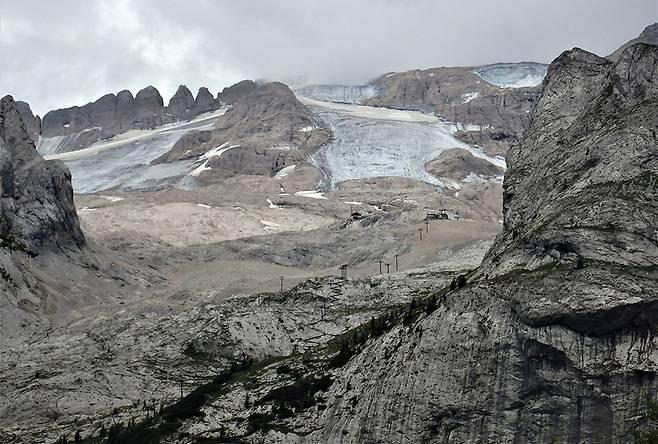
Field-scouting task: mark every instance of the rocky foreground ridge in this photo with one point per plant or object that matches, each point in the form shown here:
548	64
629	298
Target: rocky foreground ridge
552	339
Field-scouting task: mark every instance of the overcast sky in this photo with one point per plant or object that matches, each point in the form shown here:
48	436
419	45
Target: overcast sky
61	53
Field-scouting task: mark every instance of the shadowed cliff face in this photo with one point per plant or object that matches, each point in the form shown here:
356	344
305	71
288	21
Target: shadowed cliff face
584	181
37	198
551	340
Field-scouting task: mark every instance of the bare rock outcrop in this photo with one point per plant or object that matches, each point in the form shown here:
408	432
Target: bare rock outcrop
458	164
268	129
181	105
32	122
205	101
232	94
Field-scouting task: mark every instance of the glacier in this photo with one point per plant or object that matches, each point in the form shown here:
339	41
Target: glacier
354	94
124	162
370	142
513	75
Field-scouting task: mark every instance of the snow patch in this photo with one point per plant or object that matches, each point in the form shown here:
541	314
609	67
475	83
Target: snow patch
283	172
271	204
113	198
215	152
354	203
469	96
306	129
203	205
312	194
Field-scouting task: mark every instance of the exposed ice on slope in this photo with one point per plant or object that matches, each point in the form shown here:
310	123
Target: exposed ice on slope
313	194
356	94
371	112
387	145
513	75
285	171
215	152
125	161
48	146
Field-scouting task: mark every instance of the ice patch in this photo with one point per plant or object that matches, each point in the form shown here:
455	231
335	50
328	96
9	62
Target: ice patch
283	172
312	194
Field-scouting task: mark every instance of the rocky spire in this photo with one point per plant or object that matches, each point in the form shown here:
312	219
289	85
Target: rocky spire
181	105
205	101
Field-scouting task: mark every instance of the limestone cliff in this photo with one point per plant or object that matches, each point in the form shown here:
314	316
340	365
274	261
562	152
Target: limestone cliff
552	339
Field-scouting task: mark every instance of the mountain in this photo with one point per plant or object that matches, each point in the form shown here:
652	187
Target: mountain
46	264
496	112
649	36
265	130
75	128
32	122
550	340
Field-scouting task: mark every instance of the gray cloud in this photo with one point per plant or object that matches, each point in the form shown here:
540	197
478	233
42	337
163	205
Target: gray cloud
60	53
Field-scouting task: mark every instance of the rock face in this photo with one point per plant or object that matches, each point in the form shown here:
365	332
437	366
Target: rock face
181	105
459	165
32	122
37	215
552	339
649	36
234	93
78	127
205	102
37	198
267	130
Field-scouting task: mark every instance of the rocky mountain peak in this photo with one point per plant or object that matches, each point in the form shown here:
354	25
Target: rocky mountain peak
233	93
182	103
583	184
205	101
